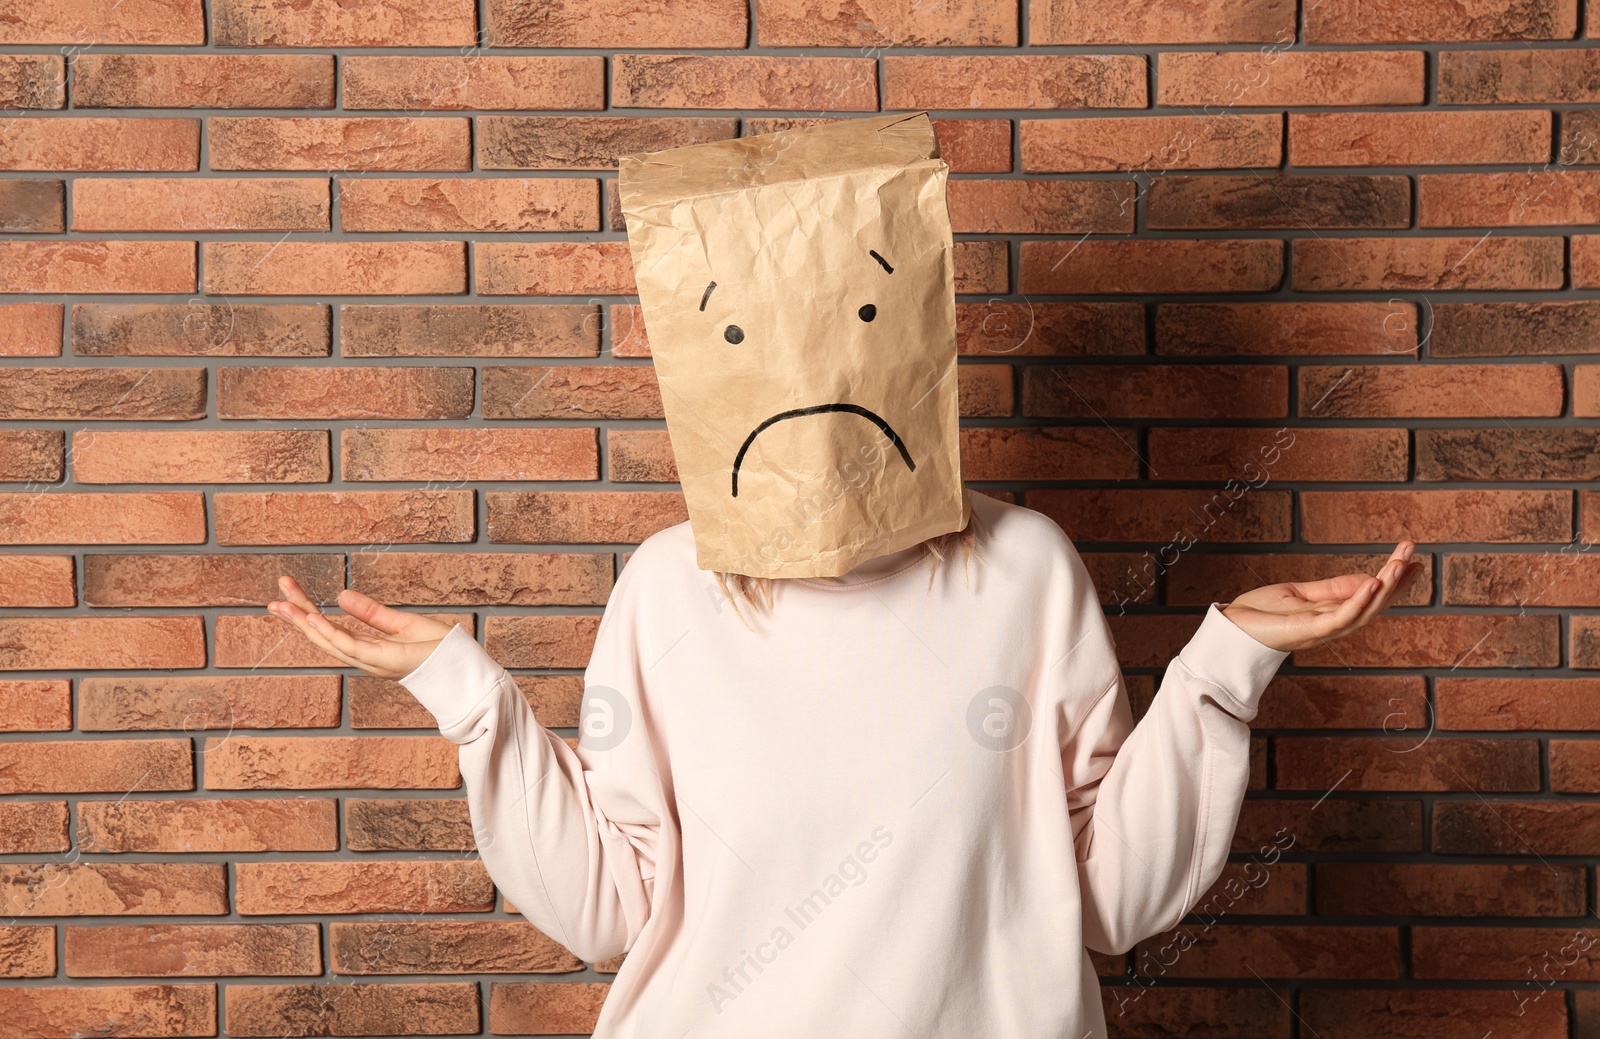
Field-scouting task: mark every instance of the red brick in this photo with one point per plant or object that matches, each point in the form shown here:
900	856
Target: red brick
375	886
1418	138
1253	454
1270	951
236	762
1586	261
1152	265
201	456
202	81
330	23
1230	21
1001	327
744	82
1162	515
1396	704
94	766
571	392
645	456
1521	199
484	579
470	204
1162	391
1283	78
1560	578
1041	206
412	392
1503	453
31	455
63	643
1512	704
41	705
783	23
1443	640
1432	391
1504	516
1046	453
1371	21
1574	767
32	81
552	1008
361	268
30	951
331	144
1409	263
96	518
1145	1010
1475	827
1586	390
85	23
581	517
144	144
198	703
32	206
34	827
113	889
982	267
544	640
407	823
1330	824
1452	1013
36	582
968	145
109	1009
200	329
515	142
262	640
103	393
1256	329
1359	763
1433	889
1298	201
446	947
344	517
1519	75
230	579
85	266
1507	953
617	23
475	454
550	268
478	81
30	329
475	330
1053	81
188	204
430	1008
163	950
1162	142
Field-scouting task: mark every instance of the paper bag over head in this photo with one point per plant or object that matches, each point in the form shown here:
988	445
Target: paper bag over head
798	293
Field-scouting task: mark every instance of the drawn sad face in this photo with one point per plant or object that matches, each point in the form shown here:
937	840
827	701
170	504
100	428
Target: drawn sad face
735	335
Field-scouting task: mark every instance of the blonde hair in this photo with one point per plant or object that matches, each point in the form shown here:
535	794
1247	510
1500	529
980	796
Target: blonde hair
757	591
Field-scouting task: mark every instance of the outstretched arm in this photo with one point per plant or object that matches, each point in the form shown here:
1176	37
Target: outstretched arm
570	836
1154	806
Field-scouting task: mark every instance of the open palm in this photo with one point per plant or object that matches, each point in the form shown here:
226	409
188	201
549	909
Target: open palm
405	641
1300	614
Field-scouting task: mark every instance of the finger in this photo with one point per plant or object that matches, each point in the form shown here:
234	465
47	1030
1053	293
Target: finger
295	594
302	621
368	610
1329	589
1343	620
1392	576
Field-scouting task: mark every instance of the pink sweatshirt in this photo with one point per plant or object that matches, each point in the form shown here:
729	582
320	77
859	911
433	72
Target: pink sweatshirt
887	811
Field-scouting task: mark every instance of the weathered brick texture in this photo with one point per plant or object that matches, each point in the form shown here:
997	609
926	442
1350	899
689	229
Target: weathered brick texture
1247	291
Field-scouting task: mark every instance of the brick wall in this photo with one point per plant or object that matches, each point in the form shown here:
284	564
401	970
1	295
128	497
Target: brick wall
1247	293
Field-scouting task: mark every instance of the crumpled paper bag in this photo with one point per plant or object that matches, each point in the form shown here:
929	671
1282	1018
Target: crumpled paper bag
798	293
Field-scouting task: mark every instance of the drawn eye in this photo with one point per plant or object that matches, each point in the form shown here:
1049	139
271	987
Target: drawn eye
733	334
868	312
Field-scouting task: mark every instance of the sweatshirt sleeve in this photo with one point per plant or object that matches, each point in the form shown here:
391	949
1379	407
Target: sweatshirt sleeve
570	836
1154	806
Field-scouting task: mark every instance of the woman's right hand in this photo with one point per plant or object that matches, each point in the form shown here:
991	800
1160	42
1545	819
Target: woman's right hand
406	640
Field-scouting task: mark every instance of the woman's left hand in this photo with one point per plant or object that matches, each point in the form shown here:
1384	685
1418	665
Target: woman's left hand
1298	615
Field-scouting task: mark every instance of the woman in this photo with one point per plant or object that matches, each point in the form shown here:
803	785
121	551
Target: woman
904	801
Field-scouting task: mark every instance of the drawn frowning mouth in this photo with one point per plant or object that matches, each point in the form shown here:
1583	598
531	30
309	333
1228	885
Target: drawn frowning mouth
854	409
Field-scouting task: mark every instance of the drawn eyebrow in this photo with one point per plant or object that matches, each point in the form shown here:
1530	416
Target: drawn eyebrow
881	260
707	295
